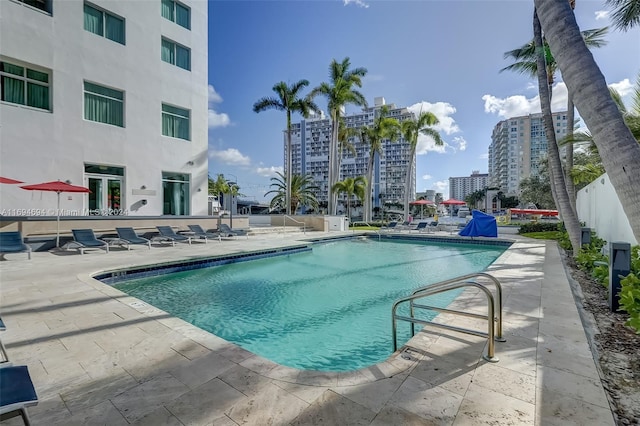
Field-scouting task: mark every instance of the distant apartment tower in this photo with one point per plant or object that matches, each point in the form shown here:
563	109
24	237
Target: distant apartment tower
518	145
111	95
460	187
310	155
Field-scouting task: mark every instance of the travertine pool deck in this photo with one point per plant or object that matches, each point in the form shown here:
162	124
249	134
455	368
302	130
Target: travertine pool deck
98	356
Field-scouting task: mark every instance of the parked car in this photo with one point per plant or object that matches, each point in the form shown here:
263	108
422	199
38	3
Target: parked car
463	212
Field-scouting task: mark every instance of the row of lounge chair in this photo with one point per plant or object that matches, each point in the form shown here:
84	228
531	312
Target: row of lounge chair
407	226
16	387
12	242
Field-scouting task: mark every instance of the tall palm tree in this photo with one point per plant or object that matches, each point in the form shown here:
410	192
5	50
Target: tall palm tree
339	93
626	13
303	192
618	149
288	100
411	129
351	186
525	58
383	128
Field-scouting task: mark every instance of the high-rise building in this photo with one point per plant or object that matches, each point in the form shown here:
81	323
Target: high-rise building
310	155
518	145
111	95
460	187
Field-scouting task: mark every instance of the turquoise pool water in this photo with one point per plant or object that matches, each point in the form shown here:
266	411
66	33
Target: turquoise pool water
329	309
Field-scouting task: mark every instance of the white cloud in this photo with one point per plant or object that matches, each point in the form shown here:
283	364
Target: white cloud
230	156
269	171
623	87
441	186
601	14
427	177
447	125
460	142
216	119
356	2
214	97
517	105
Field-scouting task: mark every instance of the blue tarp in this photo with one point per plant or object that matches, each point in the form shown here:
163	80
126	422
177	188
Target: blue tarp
481	225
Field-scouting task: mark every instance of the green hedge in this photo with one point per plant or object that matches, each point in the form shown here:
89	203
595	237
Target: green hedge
537	227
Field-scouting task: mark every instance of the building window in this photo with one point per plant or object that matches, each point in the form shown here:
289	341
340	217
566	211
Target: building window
175	122
175	189
106	184
104	24
44	5
103	105
176	12
175	54
24	86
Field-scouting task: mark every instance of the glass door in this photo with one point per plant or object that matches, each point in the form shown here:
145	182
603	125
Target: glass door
105	198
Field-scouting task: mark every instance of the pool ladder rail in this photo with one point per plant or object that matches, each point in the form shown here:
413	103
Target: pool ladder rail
493	317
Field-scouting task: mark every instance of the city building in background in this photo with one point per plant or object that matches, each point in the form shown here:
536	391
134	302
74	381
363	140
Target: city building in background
460	187
518	145
310	155
109	95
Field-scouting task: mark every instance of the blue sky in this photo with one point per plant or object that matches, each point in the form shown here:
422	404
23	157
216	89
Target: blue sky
443	56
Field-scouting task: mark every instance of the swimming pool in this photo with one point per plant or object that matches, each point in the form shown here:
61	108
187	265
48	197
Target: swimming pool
328	309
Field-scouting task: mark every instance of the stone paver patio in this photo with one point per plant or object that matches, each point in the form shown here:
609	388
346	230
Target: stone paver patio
98	356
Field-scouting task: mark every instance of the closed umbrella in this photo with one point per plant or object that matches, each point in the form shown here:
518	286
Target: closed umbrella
57	187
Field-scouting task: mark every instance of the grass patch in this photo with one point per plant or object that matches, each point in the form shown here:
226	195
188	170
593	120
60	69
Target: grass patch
546	235
364	228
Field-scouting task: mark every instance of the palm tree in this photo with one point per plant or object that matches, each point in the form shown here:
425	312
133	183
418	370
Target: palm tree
626	13
289	102
351	186
525	59
558	185
339	93
303	192
411	129
618	149
383	127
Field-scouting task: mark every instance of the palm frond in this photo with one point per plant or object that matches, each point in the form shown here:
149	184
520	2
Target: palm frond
625	13
266	103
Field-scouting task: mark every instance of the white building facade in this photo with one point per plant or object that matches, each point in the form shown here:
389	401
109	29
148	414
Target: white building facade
518	145
460	187
310	155
107	94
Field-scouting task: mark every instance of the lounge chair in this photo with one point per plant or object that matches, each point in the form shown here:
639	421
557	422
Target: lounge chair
226	231
16	392
433	226
199	232
422	227
85	239
391	226
168	234
129	235
11	242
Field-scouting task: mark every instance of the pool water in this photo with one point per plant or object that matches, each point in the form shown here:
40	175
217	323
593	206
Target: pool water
328	309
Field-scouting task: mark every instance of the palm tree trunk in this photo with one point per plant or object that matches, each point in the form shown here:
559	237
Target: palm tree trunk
367	199
287	200
407	181
331	204
619	150
569	216
571	188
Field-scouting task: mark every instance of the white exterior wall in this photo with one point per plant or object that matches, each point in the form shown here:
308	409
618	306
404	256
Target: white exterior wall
40	146
599	208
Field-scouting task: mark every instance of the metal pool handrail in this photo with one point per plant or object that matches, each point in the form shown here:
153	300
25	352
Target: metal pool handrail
284	224
452	284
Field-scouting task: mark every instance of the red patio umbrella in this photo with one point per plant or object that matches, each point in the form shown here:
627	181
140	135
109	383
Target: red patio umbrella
9	181
452	202
422	203
57	187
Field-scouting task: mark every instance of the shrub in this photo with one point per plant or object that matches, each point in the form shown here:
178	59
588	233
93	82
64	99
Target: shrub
630	291
537	227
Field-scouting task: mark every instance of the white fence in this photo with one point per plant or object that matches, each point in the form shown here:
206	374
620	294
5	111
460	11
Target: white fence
600	209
